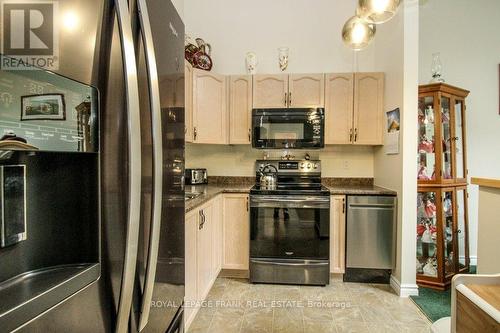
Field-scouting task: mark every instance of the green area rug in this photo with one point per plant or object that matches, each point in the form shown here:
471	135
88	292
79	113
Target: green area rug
435	304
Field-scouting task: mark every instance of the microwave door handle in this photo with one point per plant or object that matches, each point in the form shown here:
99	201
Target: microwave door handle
155	108
134	159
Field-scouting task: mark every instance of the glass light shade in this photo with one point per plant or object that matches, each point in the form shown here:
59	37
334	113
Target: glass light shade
377	11
358	33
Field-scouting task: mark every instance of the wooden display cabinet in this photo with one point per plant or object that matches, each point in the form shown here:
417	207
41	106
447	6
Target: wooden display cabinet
442	220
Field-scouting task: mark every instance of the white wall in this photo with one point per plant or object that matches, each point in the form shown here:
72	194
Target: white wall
179	5
396	54
338	161
311	29
467	34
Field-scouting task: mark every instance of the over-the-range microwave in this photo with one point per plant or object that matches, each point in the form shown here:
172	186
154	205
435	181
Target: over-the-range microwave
288	128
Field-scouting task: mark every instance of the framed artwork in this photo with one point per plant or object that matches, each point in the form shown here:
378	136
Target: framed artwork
43	107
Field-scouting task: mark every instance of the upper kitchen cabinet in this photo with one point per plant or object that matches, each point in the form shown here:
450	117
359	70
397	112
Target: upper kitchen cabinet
270	91
288	91
368	108
188	107
240	109
306	90
339	108
354	108
441	135
209	108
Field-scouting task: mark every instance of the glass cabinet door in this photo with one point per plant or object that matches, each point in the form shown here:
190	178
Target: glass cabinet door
460	172
446	138
448	234
427	264
426	142
462	232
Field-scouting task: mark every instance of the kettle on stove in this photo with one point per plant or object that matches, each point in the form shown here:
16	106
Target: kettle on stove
268	177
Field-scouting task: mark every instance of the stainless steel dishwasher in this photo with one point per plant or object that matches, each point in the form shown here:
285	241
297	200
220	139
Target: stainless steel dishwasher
370	238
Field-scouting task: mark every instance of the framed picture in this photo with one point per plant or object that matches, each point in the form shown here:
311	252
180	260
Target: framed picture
43	107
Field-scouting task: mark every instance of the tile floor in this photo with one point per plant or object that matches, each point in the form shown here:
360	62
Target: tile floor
236	306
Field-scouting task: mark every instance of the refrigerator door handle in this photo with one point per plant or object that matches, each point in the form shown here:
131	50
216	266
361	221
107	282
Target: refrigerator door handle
134	155
154	96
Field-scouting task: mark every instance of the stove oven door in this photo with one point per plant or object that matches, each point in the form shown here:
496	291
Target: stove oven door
289	239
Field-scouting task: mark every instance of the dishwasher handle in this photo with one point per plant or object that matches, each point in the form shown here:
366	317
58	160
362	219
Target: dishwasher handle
372	206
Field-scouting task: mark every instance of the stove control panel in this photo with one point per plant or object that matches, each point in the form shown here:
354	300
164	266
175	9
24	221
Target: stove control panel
297	166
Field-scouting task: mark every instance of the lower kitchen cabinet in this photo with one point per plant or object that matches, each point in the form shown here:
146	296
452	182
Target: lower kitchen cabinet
203	250
236	232
337	233
191	275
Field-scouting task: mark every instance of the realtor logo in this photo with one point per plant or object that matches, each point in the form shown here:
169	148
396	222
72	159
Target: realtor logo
29	35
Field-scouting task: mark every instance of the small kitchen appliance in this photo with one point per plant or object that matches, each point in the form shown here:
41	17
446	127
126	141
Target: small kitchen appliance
196	176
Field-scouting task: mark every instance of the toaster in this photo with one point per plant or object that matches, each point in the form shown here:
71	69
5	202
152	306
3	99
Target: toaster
196	176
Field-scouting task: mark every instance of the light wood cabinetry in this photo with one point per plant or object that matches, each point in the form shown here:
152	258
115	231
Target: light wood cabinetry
188	108
270	91
339	104
306	90
354	108
293	91
368	108
240	109
191	270
205	250
337	233
203	253
236	232
209	108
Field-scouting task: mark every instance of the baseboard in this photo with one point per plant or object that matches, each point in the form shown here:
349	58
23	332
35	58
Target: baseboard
403	290
234	273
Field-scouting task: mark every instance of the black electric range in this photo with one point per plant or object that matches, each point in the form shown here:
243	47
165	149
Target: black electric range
290	226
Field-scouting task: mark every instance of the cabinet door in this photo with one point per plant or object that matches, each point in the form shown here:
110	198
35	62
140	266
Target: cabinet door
337	234
368	108
270	91
191	280
240	109
188	108
339	108
217	240
236	249
306	91
204	251
209	108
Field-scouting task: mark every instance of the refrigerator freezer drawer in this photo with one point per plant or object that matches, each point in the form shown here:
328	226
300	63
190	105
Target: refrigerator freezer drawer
371	230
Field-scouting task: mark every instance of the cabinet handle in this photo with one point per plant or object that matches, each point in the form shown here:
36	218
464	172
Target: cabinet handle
248	205
343	206
200	223
195	134
285	100
355	135
249	135
289	99
350	135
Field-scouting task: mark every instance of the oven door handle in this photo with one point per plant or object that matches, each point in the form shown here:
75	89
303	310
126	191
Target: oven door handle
281	263
289	202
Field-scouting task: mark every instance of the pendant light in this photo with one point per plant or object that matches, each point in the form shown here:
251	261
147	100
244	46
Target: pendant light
358	33
377	11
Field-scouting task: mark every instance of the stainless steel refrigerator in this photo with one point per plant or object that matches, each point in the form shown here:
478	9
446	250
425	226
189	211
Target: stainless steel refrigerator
92	175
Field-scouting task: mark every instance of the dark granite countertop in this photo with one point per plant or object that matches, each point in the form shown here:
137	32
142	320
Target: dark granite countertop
337	186
359	190
211	191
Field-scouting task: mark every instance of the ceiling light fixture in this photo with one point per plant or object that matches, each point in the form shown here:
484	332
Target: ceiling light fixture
358	33
377	11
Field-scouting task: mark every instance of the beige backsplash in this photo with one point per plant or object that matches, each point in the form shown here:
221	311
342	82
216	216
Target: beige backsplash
239	160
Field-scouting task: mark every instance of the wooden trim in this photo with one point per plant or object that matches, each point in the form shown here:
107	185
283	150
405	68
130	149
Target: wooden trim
443	87
486	182
235	273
